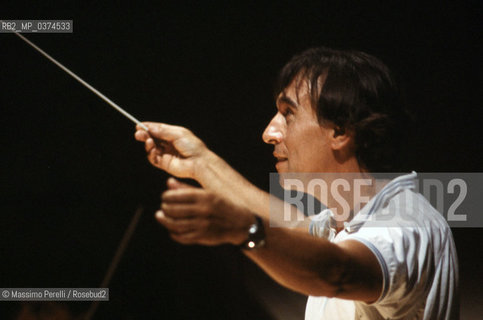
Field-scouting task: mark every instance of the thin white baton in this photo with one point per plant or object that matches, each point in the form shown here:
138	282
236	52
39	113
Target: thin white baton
88	86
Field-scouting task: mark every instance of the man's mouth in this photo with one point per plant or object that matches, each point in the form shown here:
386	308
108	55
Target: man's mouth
281	160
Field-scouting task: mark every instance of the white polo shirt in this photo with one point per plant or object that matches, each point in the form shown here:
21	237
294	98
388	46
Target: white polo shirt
415	250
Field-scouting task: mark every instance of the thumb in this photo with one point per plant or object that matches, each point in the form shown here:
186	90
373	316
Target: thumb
173	183
164	131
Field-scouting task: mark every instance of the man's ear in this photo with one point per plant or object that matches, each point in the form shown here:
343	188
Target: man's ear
340	138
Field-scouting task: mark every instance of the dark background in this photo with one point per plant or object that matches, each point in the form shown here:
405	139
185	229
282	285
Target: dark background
72	174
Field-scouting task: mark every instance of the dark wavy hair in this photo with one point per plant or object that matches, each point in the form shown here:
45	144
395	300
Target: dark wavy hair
355	91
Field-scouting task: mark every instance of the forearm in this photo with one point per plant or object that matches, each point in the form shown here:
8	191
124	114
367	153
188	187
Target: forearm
214	174
302	263
317	267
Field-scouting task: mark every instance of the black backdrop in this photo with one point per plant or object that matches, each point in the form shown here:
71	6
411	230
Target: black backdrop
72	174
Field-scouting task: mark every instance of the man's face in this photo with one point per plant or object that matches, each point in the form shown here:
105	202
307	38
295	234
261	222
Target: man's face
301	143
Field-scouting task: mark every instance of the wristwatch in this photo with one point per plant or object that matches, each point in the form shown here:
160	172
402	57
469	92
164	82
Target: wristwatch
256	235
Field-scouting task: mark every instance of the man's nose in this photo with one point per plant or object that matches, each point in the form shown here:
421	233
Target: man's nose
273	133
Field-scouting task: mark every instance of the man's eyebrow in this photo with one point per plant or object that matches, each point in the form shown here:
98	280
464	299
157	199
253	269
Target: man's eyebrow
287	100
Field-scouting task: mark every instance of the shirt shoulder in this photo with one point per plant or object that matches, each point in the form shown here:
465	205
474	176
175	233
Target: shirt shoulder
410	240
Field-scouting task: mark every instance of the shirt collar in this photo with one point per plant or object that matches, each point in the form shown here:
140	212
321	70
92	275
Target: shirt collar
390	190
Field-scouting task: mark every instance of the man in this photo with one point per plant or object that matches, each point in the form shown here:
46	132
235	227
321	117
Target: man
337	112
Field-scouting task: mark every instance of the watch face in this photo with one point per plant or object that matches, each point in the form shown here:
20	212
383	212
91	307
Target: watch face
253	229
256	235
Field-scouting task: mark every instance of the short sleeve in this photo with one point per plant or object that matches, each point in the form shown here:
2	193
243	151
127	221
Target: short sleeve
403	254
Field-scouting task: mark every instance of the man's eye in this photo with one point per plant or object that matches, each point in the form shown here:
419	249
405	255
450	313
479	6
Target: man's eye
286	112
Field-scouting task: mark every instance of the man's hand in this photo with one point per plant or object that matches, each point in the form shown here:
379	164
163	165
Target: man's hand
196	216
173	149
179	152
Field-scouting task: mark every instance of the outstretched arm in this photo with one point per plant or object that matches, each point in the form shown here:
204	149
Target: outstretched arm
222	211
309	265
179	152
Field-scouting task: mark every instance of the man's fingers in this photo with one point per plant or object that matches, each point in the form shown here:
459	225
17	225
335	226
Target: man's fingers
177	148
139	127
182	210
177	226
153	157
149	144
173	184
183	195
186	238
185	231
141	135
165	131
